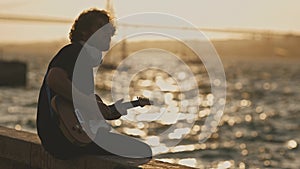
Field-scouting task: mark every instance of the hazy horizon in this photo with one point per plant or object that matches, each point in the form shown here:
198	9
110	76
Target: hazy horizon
263	15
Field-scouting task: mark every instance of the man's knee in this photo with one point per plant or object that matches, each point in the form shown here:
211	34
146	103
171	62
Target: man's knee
148	151
143	150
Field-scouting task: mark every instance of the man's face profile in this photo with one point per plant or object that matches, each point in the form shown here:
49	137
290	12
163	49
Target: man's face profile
101	36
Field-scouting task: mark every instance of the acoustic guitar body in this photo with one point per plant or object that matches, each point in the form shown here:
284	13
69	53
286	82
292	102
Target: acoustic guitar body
68	122
73	125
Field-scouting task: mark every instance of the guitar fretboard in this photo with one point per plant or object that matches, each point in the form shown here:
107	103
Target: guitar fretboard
131	104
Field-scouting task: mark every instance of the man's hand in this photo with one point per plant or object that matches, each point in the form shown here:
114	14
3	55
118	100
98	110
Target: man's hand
120	108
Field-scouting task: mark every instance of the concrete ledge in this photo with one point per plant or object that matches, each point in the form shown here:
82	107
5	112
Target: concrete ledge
23	150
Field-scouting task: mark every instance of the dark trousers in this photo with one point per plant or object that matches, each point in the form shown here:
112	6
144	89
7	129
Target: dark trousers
105	143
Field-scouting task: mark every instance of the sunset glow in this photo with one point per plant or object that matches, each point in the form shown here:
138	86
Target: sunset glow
267	15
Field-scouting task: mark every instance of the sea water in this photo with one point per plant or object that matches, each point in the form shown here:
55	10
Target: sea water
259	127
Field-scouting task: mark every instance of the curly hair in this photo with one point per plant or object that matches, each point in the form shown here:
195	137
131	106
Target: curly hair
85	21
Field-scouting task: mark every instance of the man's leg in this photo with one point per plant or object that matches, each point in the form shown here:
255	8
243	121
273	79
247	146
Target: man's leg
120	148
121	145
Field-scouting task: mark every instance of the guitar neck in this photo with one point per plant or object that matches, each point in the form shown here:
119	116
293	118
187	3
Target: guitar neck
131	104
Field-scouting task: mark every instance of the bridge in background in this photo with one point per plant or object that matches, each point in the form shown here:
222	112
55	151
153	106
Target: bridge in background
247	32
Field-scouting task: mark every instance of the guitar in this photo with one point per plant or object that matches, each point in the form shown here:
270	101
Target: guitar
76	128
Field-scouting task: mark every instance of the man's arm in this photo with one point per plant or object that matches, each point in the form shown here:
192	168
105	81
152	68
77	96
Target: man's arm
57	80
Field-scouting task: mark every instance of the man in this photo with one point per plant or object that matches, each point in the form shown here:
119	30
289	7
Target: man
80	57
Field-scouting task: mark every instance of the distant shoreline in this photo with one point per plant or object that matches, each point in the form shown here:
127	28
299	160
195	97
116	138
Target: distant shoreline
279	48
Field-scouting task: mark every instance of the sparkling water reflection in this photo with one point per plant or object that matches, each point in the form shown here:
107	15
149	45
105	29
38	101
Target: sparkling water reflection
259	128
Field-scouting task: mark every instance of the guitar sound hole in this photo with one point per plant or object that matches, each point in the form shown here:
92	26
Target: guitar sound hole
73	128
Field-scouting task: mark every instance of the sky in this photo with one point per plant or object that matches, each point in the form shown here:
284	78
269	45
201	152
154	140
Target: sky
280	15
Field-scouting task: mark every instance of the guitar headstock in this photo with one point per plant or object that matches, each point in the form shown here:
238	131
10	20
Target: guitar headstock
144	101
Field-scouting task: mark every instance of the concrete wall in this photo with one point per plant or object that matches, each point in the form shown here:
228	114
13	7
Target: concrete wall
23	150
